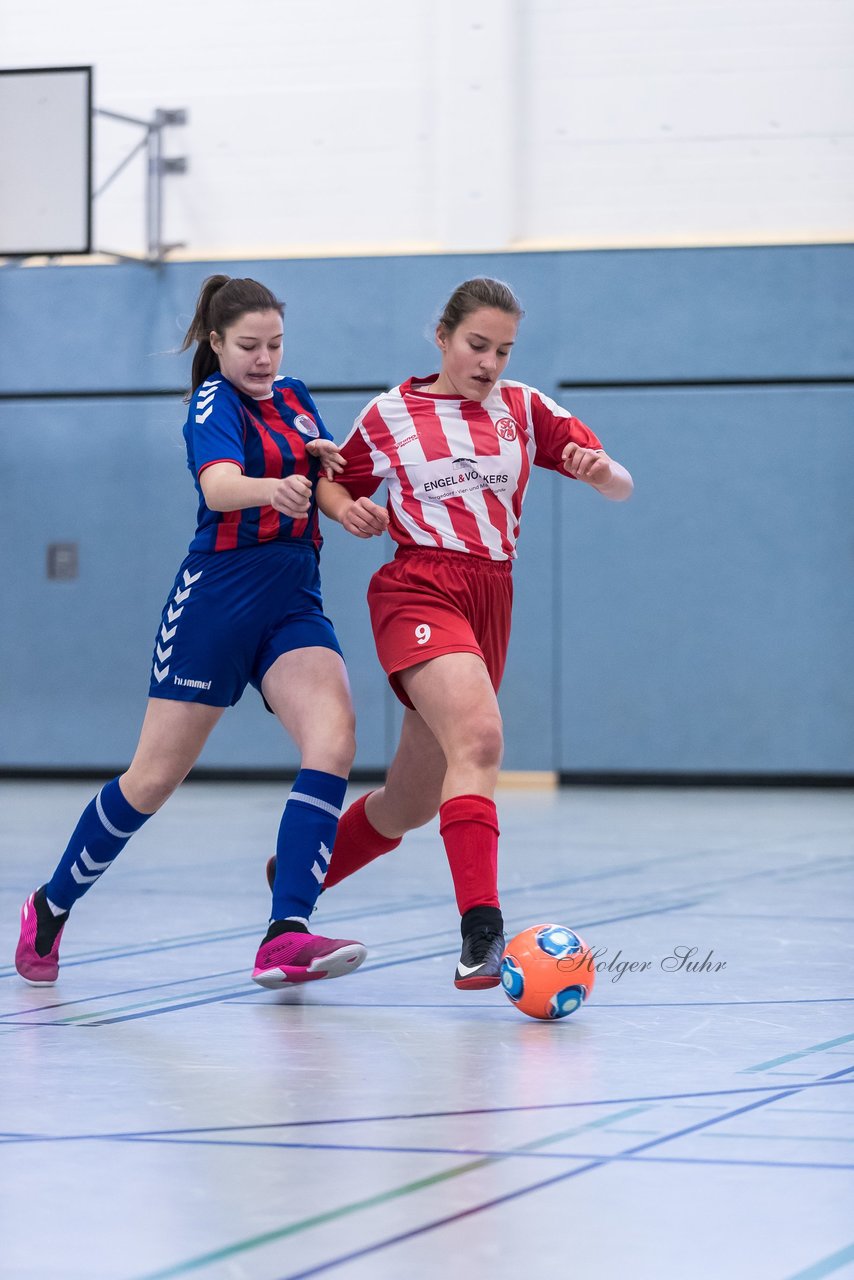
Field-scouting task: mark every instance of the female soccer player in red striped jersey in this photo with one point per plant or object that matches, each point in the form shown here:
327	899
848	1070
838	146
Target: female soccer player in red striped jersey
456	451
245	608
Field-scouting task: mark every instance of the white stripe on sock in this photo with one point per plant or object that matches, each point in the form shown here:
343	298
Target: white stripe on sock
114	831
80	878
90	864
318	804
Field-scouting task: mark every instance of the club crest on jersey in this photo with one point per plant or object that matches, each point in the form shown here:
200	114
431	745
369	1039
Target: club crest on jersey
306	426
506	428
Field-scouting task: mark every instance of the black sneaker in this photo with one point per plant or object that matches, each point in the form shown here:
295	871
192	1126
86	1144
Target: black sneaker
479	964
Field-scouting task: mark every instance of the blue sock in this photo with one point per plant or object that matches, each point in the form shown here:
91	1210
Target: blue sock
304	847
105	826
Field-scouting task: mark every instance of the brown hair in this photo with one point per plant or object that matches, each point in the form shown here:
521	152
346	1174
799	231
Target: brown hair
222	301
471	295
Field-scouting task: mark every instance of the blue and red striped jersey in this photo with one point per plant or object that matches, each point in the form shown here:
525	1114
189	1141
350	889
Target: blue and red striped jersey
265	438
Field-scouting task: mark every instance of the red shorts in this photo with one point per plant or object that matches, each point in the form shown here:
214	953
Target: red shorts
427	602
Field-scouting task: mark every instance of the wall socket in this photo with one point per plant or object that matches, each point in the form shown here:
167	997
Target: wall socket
63	563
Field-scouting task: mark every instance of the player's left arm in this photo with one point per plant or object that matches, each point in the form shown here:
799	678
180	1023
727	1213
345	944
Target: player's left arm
595	468
564	443
359	516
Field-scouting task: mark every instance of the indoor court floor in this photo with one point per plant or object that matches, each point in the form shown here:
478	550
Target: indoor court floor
162	1116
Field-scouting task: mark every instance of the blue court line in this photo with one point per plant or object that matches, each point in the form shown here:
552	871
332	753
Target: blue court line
712	889
598	1163
477	1152
836	1075
796	869
502	1154
781	1137
68	1024
772	917
113	995
794	1057
826	1265
821	1111
15	1019
597	1008
793	1075
197	940
828	1082
729	1004
170	1008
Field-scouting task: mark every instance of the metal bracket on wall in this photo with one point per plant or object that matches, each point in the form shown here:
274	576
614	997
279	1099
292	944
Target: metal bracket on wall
158	165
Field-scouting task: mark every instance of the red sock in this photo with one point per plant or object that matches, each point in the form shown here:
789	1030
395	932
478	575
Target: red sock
469	827
356	844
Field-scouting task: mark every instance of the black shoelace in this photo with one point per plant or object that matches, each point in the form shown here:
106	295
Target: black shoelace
479	943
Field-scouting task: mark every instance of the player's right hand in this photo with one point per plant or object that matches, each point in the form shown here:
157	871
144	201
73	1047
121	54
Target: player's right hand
292	496
365	519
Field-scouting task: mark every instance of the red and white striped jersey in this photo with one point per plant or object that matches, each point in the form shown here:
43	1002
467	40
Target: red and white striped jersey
457	470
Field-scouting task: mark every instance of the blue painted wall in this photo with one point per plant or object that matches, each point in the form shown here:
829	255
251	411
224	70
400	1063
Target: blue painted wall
706	626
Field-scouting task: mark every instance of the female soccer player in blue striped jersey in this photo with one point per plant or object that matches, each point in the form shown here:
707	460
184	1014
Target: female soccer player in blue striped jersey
245	608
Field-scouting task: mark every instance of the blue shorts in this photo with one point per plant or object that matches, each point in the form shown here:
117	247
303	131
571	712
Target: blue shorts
230	615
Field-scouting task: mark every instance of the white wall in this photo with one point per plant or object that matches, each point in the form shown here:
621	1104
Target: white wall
360	126
691	121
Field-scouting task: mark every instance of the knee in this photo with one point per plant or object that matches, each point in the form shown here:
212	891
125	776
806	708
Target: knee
343	753
401	805
147	791
421	808
333	748
482	742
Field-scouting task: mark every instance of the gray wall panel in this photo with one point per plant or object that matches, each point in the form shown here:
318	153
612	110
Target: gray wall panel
717	607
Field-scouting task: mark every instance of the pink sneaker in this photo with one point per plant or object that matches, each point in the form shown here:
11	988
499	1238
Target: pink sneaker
38	970
305	957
